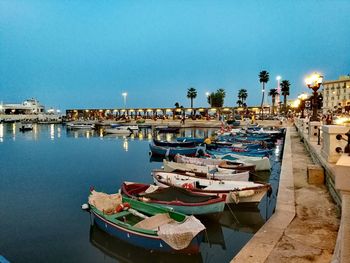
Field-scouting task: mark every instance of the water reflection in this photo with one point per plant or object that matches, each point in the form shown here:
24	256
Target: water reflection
125	252
1	132
125	145
52	131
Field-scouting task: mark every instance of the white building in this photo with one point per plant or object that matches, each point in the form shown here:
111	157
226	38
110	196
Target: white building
30	106
336	94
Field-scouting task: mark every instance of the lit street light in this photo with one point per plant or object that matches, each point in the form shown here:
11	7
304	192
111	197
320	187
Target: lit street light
278	98
314	82
208	96
124	94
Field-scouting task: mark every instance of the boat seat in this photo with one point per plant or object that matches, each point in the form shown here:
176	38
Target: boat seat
121	214
153	222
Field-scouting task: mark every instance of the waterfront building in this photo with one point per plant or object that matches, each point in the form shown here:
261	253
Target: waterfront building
336	94
152	113
30	106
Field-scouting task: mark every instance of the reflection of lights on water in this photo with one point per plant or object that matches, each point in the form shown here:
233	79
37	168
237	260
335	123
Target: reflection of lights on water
101	133
1	132
132	136
14	128
168	136
277	149
149	137
158	137
52	131
126	145
88	134
76	134
140	136
58	132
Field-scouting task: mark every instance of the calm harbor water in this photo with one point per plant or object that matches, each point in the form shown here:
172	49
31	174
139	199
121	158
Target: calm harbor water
45	176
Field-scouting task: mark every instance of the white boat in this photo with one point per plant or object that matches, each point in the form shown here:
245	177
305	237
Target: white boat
80	125
210	171
236	165
120	126
234	191
261	163
26	127
122	130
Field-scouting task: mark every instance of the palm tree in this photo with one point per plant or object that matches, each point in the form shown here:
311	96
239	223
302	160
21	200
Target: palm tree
273	93
239	102
242	95
285	92
264	78
191	94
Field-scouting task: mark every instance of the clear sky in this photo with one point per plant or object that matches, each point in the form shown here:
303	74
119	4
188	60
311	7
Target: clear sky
84	54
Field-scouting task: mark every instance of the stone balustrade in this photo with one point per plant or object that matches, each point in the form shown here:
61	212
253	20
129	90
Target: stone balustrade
330	142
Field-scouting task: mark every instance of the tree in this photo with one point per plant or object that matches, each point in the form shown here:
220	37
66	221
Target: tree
239	102
285	92
191	94
177	105
216	99
273	93
242	95
263	78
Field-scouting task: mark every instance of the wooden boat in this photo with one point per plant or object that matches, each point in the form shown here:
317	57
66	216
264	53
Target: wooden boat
234	191
190	139
236	165
167	129
261	163
179	199
146	225
122	130
124	252
172	151
80	125
26	127
210	172
173	144
233	123
240	151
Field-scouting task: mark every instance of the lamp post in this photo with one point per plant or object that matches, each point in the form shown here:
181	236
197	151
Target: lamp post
302	98
124	94
208	96
278	78
314	82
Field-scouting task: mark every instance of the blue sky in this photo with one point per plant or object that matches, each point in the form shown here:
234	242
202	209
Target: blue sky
84	54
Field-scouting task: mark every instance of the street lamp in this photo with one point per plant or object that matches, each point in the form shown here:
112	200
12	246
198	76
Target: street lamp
302	98
208	96
278	78
314	82
124	94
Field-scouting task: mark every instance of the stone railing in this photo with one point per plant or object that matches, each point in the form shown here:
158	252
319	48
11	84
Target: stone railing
327	148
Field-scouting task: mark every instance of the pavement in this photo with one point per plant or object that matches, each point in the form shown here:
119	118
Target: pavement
305	224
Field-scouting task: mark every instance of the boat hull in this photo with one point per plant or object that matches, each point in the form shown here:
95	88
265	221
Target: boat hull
145	241
171	151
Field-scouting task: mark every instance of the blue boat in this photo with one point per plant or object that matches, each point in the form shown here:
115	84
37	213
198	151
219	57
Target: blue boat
190	139
172	151
141	225
253	153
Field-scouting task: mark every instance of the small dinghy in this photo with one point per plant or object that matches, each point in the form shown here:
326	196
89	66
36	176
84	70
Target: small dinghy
145	225
179	199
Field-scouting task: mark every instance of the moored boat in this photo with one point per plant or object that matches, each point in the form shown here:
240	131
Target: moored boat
236	165
172	151
80	125
173	144
121	130
210	171
179	199
234	191
26	127
261	163
145	225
